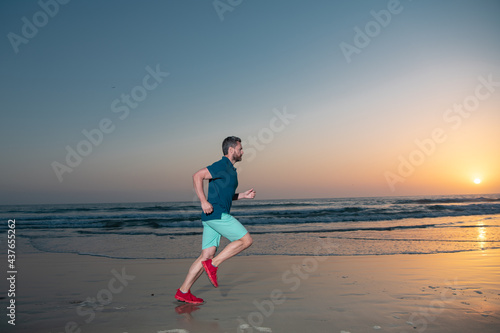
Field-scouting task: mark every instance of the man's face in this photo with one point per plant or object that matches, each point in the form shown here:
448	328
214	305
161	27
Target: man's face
237	152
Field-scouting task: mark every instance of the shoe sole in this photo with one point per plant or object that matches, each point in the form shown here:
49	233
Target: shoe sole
188	302
214	282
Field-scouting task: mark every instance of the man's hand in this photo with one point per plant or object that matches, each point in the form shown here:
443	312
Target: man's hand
250	194
207	207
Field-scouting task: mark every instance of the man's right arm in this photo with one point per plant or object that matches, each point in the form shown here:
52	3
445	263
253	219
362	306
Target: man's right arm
198	179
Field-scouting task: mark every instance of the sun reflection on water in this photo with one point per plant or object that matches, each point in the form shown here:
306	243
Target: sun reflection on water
481	235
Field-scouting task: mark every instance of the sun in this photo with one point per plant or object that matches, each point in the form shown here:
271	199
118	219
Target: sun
477	181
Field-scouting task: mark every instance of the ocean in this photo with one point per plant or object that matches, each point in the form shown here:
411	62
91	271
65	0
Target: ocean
338	226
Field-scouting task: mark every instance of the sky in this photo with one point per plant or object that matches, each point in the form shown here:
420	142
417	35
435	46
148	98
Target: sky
122	101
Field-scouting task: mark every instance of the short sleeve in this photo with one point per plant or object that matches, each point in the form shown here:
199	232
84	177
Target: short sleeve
215	169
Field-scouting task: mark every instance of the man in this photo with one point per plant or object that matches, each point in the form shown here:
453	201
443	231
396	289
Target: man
223	181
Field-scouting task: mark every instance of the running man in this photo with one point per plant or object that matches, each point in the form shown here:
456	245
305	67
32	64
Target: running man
223	181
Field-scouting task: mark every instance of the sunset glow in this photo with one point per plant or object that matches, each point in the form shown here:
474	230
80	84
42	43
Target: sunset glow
325	107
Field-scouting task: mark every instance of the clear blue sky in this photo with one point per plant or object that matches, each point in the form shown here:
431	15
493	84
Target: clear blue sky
70	67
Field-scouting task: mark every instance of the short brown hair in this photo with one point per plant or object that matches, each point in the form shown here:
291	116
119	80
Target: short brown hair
230	141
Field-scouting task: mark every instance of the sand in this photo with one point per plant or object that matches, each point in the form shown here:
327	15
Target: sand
452	292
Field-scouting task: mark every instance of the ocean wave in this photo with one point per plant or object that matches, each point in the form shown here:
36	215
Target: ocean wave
273	212
356	214
96	208
280	205
298	229
257	217
110	223
429	201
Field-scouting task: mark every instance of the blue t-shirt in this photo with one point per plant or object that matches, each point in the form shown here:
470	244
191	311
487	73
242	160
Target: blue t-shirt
221	188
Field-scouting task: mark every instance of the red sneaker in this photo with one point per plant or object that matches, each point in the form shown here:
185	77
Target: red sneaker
187	297
211	271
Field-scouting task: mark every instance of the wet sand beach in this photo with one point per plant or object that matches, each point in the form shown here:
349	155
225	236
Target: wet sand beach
445	292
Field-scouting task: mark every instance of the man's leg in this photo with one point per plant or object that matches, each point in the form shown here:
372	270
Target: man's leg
233	230
232	249
211	266
196	268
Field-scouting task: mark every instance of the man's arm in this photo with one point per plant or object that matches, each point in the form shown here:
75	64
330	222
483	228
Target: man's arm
250	194
198	179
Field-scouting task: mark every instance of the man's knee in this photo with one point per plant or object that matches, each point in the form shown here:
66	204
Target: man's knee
207	253
204	257
247	240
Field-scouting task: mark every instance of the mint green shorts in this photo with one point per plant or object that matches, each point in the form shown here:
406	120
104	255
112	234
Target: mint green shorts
227	226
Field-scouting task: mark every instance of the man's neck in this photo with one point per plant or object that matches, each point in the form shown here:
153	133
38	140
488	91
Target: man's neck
230	159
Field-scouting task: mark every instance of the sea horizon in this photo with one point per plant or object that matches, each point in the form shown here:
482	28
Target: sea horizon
257	199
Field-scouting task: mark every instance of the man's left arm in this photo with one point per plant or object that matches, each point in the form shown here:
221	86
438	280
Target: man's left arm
250	194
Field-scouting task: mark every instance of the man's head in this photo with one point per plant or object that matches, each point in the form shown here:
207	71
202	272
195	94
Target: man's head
231	148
